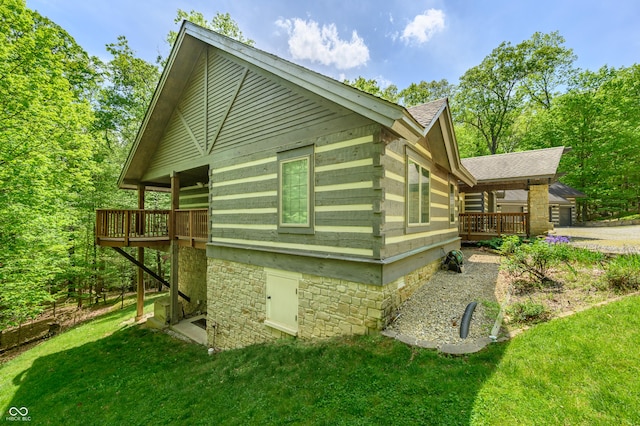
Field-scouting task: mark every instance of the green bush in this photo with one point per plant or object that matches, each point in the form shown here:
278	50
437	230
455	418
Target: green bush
493	243
534	259
571	254
623	272
528	312
509	244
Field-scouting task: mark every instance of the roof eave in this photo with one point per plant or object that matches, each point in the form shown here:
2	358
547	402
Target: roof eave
122	180
365	104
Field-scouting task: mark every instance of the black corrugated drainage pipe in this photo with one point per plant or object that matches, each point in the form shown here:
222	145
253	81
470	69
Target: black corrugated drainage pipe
466	319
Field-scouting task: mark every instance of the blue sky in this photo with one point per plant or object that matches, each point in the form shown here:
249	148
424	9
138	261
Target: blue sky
393	41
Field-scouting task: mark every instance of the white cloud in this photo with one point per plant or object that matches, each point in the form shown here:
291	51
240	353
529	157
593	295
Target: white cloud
424	26
307	41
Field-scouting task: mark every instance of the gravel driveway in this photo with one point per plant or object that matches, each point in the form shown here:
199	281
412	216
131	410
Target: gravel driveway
612	239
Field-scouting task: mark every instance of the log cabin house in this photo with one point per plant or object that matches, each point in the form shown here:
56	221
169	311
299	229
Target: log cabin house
300	206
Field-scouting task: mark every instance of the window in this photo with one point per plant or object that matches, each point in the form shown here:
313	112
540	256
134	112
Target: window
295	192
417	193
452	203
295	195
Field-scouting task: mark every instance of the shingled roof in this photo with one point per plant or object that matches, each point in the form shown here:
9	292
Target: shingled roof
558	194
425	113
565	191
535	164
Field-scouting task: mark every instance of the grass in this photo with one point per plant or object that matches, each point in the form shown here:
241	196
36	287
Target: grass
579	370
584	369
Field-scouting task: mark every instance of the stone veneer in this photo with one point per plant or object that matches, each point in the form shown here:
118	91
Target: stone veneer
538	206
327	307
192	279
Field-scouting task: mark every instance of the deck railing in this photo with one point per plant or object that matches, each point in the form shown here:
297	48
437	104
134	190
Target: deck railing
149	227
477	226
192	224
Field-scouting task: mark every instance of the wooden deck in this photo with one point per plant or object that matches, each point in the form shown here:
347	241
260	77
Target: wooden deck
151	228
484	226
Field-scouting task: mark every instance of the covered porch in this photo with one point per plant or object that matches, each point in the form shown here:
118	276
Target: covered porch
532	171
182	231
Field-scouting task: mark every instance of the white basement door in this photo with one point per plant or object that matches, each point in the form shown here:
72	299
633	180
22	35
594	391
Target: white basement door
282	300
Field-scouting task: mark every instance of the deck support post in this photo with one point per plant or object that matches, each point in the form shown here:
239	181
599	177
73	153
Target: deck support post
140	225
175	203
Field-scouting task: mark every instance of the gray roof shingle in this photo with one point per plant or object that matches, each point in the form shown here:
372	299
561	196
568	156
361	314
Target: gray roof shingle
425	113
539	163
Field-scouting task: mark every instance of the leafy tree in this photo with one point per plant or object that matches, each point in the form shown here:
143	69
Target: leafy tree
597	117
46	81
221	23
491	96
123	100
550	67
424	92
371	86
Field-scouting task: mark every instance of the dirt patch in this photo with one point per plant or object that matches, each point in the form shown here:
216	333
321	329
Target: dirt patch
565	293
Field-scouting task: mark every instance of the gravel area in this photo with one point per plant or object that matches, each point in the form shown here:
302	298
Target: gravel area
613	239
433	313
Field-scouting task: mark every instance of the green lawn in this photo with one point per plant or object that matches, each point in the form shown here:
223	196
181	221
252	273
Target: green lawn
584	369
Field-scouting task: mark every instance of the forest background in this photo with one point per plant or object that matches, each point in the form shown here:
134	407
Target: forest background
68	120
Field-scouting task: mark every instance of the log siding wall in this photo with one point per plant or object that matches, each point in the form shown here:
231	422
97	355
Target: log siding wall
235	119
399	237
244	197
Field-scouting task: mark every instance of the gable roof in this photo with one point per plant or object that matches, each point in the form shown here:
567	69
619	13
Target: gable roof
539	163
190	43
426	113
535	166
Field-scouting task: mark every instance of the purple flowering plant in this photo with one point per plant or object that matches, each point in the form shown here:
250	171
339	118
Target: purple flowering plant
556	239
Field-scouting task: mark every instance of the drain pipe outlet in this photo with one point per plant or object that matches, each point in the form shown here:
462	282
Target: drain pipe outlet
466	319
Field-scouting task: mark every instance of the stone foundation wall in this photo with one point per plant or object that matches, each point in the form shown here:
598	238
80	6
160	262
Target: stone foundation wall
326	307
237	305
192	279
330	307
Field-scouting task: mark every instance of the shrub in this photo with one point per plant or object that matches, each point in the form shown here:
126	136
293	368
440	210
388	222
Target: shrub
528	312
534	259
493	243
509	244
623	272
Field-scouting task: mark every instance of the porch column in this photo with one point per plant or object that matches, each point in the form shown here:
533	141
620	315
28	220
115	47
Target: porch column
173	293
140	225
538	205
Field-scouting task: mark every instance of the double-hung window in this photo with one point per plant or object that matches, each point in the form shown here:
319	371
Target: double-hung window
418	193
295	192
